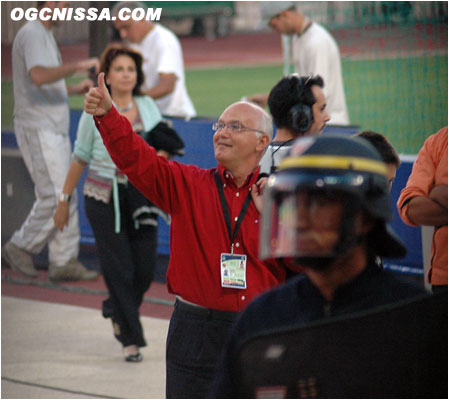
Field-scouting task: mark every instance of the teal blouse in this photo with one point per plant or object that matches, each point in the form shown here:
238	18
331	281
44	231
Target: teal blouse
89	146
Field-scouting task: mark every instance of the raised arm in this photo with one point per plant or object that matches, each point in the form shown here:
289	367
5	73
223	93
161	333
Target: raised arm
152	175
98	101
41	75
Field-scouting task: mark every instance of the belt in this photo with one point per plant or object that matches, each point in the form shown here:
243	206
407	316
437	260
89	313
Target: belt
206	313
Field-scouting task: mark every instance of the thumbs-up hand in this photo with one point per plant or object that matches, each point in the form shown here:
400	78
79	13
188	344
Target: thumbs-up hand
97	101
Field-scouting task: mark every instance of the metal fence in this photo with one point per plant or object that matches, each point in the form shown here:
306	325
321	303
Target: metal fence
247	15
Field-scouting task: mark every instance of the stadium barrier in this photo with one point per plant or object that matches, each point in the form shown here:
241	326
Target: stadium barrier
18	195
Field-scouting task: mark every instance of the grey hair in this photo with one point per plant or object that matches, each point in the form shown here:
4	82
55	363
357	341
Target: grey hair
132	5
266	123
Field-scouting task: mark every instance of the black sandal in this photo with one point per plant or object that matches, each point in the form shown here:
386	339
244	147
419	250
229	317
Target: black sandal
134	357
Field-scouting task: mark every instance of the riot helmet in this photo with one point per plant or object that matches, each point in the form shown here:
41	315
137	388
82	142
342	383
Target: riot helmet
313	203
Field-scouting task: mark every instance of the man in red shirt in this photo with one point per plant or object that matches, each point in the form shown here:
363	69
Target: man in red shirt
214	268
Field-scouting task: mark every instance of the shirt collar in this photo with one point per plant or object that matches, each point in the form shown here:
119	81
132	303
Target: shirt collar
226	176
348	289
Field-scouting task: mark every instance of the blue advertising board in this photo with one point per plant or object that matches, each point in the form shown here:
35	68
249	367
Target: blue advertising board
197	135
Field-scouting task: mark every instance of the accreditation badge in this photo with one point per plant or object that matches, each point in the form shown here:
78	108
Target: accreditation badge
233	270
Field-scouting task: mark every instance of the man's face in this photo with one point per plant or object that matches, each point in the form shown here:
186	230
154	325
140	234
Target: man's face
282	23
129	30
318	222
232	148
320	114
307	224
59	5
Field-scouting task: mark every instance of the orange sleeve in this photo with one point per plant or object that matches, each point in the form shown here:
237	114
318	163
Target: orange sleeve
423	176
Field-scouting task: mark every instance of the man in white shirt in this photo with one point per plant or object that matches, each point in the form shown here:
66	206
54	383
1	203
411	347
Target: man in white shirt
41	126
314	51
163	63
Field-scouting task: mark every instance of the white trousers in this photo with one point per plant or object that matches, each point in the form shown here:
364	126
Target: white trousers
47	156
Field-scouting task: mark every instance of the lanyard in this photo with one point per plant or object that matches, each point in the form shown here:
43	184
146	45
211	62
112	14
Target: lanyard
225	208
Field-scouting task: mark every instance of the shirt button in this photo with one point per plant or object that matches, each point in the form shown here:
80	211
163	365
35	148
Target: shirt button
224	184
256	221
243	297
236	218
237	244
226	176
237	194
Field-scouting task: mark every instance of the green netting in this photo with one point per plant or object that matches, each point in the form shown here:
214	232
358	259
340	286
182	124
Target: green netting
404	98
394	62
394	57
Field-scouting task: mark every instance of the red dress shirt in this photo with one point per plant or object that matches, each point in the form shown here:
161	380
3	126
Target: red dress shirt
198	233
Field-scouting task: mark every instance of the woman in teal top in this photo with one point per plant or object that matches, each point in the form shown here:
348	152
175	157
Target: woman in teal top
127	249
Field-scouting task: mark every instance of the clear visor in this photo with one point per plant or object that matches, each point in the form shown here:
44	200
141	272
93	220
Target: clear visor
303	223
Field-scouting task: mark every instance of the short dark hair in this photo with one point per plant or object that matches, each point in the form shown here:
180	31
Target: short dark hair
40	4
286	94
132	5
382	145
116	49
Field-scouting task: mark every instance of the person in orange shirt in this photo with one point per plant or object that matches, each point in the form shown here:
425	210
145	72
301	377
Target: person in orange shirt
424	202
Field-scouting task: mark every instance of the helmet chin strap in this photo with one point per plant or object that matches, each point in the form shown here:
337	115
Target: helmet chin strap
321	263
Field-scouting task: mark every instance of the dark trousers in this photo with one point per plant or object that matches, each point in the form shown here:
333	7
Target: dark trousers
195	340
127	260
439	289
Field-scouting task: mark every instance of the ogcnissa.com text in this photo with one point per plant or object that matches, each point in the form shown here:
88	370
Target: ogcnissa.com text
89	14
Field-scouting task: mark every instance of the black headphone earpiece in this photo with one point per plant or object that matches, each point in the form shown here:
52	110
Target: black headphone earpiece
301	114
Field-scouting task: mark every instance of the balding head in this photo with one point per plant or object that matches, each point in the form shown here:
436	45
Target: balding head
264	121
245	130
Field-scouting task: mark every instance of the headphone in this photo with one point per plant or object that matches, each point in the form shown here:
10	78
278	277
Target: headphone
301	114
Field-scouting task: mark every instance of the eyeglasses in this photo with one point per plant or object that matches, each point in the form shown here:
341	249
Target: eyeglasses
234	127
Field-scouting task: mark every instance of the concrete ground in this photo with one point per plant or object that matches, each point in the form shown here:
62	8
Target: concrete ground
52	350
56	344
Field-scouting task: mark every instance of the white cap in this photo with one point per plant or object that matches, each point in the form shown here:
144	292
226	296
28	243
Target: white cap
269	9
